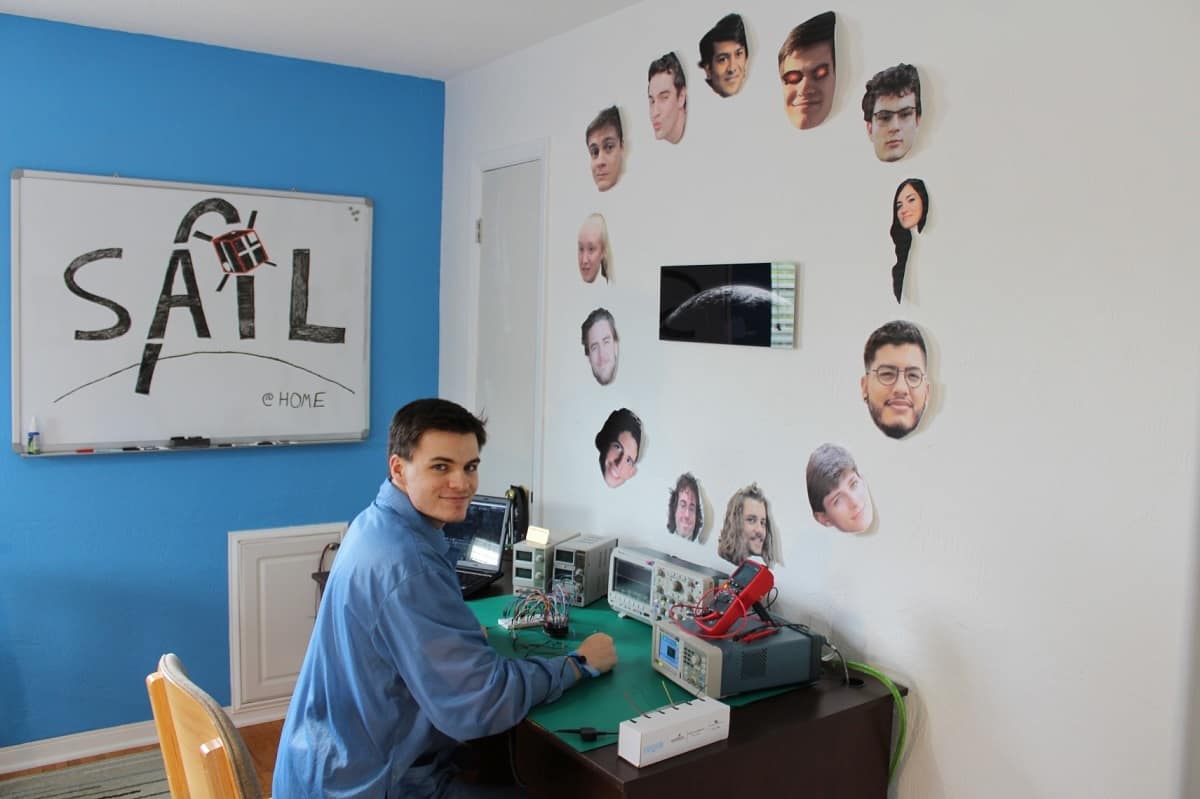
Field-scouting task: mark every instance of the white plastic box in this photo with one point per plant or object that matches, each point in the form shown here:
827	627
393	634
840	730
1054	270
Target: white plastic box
672	730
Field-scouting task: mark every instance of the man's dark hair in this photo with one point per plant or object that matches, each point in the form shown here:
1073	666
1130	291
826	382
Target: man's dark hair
896	333
669	63
825	469
895	82
608	118
619	421
592	318
686	480
730	28
419	416
811	32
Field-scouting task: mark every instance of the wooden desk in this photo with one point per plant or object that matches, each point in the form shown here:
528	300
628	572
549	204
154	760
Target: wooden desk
823	740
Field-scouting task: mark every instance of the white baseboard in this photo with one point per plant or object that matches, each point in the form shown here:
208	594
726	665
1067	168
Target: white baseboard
114	739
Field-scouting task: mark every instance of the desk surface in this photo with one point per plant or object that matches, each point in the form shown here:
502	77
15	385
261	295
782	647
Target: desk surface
825	739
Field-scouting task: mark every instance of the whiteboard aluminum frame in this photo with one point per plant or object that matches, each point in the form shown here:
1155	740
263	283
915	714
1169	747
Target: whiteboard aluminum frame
18	413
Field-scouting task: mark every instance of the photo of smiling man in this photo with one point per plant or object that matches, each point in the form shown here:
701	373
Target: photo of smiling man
667	92
723	54
620	445
837	493
747	532
601	345
685	514
895	387
808	71
892	109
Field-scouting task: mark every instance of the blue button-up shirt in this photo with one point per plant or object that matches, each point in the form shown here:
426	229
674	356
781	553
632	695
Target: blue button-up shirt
398	668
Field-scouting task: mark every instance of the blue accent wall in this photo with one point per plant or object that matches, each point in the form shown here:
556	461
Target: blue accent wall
108	561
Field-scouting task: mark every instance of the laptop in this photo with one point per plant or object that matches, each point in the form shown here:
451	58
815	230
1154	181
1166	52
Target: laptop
477	543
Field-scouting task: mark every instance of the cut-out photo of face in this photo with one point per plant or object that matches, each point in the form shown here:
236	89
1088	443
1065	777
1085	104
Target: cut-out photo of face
667	92
606	147
895	387
685	514
892	110
601	345
619	443
747	531
594	249
808	71
837	493
723	54
910	209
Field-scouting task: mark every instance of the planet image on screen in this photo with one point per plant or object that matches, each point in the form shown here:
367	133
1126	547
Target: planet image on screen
735	314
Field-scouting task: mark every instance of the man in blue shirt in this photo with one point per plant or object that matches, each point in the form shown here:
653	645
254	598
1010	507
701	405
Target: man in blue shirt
398	670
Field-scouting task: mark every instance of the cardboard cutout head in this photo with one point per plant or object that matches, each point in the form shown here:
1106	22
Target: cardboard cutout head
895	387
685	513
619	443
594	250
892	110
837	493
601	345
808	71
606	147
667	92
747	529
910	209
723	54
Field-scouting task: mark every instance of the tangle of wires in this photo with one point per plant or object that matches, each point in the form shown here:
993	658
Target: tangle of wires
548	612
712	605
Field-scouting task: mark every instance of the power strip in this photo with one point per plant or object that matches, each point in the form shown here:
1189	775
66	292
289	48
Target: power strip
672	730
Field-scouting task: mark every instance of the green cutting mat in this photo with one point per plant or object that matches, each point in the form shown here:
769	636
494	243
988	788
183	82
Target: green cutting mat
633	686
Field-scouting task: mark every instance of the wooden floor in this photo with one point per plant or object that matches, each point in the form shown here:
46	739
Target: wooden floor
261	739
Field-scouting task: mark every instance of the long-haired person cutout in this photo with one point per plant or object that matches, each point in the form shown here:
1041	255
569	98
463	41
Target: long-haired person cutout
910	209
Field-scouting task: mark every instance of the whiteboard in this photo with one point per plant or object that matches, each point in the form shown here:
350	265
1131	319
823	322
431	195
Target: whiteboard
150	315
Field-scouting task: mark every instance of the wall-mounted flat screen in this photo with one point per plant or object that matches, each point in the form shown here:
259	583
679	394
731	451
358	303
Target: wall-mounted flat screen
752	304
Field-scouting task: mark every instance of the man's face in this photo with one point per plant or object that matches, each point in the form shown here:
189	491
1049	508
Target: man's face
808	84
667	112
896	409
620	462
442	475
591	250
602	351
848	507
685	513
607	152
754	525
727	70
893	125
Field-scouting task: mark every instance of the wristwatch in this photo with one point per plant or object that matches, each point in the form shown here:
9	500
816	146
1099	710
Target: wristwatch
582	663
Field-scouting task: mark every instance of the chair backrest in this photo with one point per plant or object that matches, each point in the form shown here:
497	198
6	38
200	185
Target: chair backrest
204	754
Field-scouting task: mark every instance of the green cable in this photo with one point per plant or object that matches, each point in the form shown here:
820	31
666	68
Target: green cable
900	711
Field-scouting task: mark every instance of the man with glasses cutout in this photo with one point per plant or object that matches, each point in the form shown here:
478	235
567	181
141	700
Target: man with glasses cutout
895	386
892	109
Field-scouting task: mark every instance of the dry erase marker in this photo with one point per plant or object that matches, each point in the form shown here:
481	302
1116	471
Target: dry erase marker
33	439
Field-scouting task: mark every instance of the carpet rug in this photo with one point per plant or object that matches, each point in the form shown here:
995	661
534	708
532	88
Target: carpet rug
123	777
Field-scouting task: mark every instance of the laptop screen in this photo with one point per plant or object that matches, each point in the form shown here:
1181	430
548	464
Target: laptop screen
477	542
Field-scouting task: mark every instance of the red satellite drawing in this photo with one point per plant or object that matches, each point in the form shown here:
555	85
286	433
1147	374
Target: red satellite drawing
240	251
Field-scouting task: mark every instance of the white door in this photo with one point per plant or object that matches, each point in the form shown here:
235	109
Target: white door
509	341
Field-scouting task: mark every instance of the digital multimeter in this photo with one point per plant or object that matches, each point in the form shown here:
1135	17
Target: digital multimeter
735	598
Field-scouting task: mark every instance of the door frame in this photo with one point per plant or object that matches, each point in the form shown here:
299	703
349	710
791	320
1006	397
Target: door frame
534	151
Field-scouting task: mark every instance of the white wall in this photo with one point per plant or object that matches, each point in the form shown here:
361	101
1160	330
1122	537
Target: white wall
1032	570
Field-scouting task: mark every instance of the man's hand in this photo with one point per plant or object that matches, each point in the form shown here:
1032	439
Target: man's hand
599	652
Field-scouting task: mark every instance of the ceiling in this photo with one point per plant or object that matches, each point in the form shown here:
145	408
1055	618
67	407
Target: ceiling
430	39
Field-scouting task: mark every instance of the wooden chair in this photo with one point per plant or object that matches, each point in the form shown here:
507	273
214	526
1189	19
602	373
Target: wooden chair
204	754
